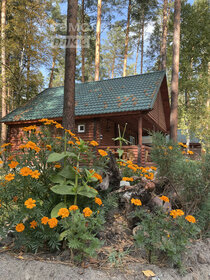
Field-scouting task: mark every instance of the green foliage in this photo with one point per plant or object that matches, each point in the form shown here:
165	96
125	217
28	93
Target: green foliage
44	178
80	234
159	233
190	178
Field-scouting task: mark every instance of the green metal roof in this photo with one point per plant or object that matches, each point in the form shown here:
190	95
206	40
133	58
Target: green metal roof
131	93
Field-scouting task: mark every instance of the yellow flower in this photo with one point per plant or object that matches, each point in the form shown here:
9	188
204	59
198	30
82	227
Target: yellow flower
102	153
30	203
180	143
57	165
9	177
44	220
94	143
190	152
136	202
87	212
20	227
58	125
29	128
63	212
25	171
164	198
127	179
69	132
98	201
170	148
52	222
13	164
49	147
71	142
179	212
35	174
33	224
190	219
73	208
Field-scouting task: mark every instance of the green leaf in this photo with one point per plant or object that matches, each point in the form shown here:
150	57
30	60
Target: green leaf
63	189
120	152
57	179
87	191
54	212
63	235
58	156
67	173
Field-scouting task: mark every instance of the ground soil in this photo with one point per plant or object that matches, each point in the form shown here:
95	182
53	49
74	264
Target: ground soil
34	267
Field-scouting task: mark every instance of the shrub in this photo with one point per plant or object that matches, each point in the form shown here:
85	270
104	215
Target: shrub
48	174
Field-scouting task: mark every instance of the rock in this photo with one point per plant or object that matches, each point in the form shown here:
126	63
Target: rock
124	184
202	259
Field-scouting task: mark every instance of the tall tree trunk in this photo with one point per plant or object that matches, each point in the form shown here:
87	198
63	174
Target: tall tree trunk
70	68
142	44
175	72
164	34
127	39
3	68
113	65
83	41
98	41
137	52
28	78
52	72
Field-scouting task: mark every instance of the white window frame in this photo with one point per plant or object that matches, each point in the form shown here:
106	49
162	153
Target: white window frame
79	128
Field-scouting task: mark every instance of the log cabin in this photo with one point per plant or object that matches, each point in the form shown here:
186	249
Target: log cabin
141	101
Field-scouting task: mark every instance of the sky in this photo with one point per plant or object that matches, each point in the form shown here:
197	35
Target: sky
148	30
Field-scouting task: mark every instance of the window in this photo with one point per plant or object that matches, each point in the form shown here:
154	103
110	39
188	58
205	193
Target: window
81	128
132	140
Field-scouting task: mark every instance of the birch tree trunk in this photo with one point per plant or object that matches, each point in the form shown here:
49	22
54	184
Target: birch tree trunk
98	41
175	72
70	67
164	34
3	68
113	66
83	41
127	39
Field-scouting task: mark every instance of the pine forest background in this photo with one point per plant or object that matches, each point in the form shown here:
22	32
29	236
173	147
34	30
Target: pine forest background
132	37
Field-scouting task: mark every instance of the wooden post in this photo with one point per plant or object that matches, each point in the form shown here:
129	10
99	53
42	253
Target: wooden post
139	140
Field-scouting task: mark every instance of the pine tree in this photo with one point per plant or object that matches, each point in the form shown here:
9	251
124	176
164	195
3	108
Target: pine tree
175	72
70	68
98	42
127	39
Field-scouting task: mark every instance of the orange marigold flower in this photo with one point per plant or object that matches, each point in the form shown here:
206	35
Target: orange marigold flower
78	143
58	125
20	227
52	222
179	212
13	164
164	198
98	201
173	213
69	132
49	147
190	152
1	162
33	224
170	148
183	152
30	203
87	212
102	153
76	168
132	167
71	142
73	208
180	143
153	168
44	220
35	174
190	219
22	146
136	202
63	212
9	177
98	177
185	146
58	137
94	143
5	145
25	171
57	165
10	157
129	179
176	213
29	128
